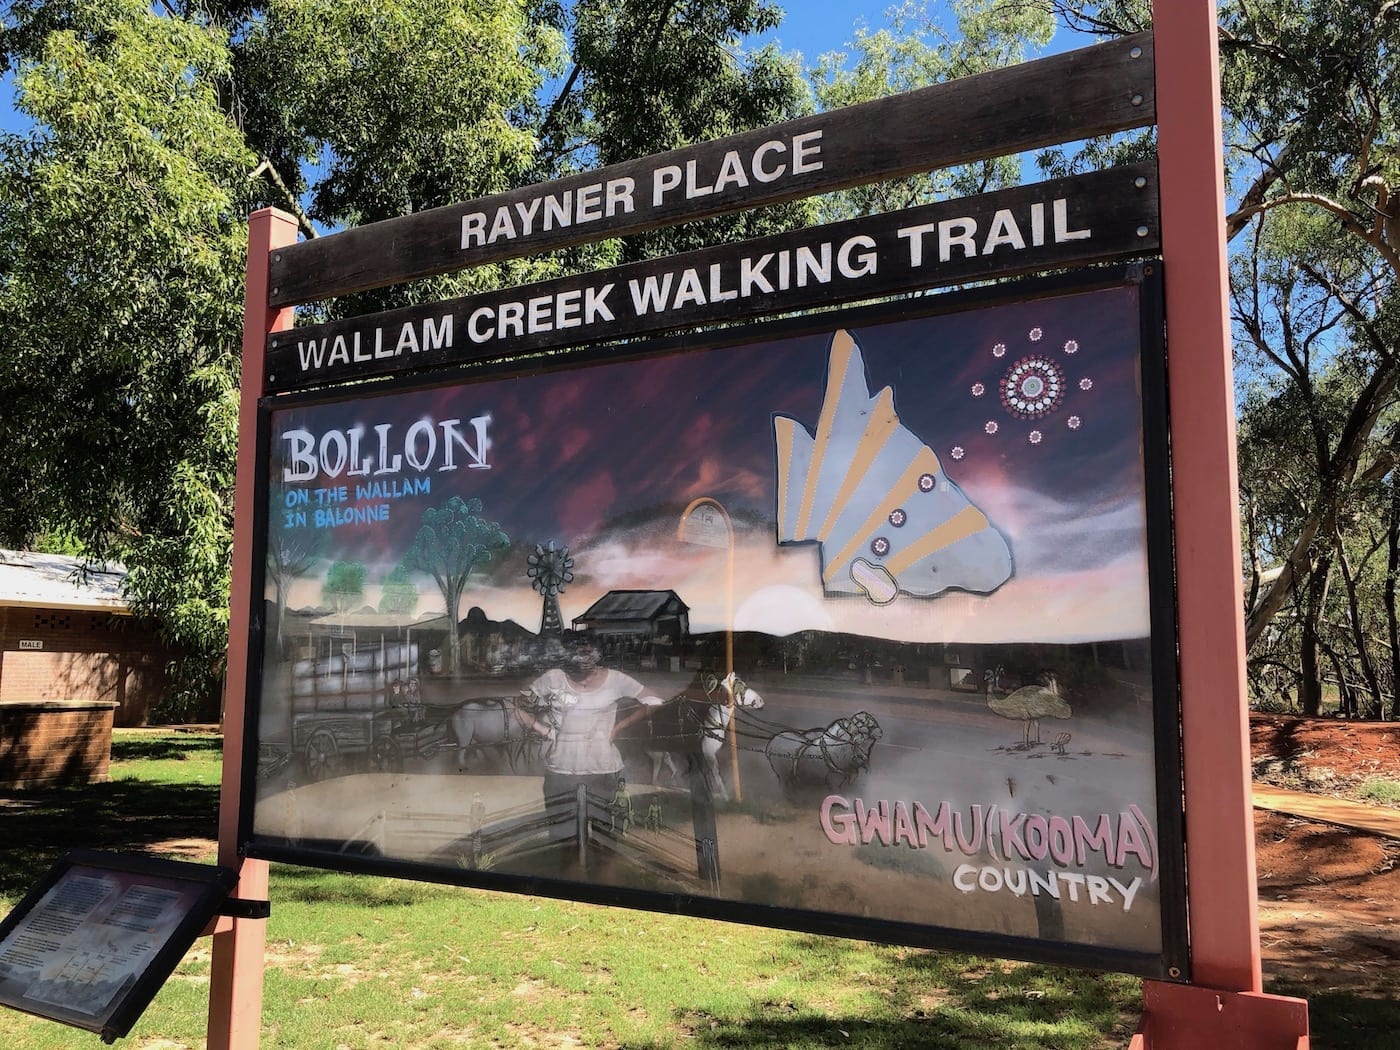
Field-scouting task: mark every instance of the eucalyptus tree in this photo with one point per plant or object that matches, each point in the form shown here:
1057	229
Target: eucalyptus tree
158	127
1311	134
916	49
344	586
451	543
648	76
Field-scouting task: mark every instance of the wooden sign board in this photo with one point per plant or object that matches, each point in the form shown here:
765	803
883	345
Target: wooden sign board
1077	94
1074	221
1100	90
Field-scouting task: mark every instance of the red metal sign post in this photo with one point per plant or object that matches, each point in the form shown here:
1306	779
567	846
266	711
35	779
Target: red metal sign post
1225	1005
235	983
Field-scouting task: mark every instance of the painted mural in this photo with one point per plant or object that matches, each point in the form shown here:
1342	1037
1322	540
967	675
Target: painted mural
854	623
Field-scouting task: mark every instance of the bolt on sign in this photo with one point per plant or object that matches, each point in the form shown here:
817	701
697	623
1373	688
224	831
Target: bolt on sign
766	544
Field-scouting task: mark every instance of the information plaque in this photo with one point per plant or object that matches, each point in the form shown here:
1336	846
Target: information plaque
94	940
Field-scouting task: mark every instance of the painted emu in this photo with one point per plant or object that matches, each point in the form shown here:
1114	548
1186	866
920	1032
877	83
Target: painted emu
1028	705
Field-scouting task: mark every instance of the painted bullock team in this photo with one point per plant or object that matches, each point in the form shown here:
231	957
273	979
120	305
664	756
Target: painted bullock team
576	722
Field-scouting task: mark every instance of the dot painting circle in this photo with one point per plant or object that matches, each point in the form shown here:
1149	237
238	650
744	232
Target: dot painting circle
879	546
1032	387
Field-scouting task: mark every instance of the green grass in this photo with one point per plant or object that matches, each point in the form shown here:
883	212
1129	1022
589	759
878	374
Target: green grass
1380	789
363	962
1342	1021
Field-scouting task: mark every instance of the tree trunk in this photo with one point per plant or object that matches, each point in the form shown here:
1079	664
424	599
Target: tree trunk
453	595
1392	625
1346	692
1374	701
1309	683
1310	676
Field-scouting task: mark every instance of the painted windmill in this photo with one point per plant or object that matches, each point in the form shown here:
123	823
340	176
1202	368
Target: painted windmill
550	568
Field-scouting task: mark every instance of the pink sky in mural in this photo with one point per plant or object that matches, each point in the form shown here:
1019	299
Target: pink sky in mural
604	457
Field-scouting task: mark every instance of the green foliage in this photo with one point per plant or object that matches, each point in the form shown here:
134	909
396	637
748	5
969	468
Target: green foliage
649	77
913	51
1380	789
406	104
1312	130
452	541
120	230
159	127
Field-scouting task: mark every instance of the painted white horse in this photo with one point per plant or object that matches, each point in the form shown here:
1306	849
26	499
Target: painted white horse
695	724
832	757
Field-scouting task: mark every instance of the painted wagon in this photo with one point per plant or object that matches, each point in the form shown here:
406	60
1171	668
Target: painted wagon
355	709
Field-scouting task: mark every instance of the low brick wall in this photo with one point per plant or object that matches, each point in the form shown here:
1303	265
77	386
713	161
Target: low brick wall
55	742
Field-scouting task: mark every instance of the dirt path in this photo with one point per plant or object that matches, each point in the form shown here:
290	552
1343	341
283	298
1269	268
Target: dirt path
1329	896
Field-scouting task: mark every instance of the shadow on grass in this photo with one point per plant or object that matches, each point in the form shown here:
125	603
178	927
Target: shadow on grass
301	885
941	999
934	1032
126	815
164	748
1340	1021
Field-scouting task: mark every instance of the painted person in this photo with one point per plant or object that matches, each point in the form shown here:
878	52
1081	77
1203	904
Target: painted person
580	730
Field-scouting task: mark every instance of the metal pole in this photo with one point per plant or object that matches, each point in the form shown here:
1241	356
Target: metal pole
1210	594
236	974
684	537
1224	1005
729	663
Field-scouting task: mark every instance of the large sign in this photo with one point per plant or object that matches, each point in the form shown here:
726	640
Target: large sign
1091	91
1089	218
861	629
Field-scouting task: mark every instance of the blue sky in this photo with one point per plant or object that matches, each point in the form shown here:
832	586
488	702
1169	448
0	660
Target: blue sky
817	26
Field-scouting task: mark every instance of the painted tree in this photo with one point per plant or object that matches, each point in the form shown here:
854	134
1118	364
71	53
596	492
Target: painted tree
291	552
452	541
397	593
344	586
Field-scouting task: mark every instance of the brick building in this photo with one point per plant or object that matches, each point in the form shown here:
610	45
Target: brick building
66	637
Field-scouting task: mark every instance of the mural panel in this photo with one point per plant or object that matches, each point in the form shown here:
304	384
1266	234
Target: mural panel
850	631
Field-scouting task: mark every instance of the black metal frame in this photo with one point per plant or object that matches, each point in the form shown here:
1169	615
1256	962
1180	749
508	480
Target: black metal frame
1173	962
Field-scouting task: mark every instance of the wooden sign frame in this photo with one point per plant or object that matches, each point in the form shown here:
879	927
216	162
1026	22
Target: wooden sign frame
1091	91
1226	1004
